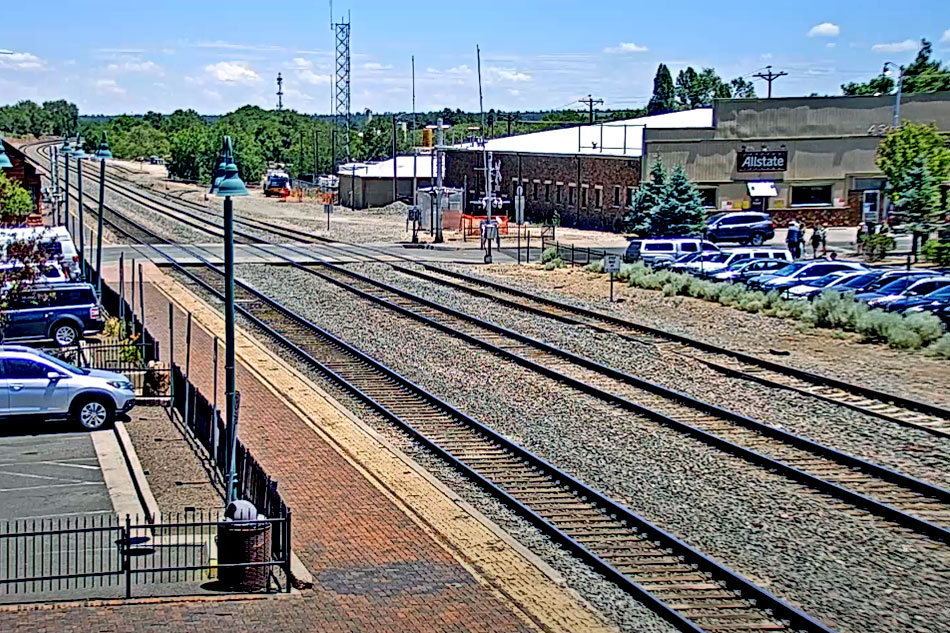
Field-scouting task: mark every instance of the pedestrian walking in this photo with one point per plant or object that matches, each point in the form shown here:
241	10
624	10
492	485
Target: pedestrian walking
859	239
793	239
818	239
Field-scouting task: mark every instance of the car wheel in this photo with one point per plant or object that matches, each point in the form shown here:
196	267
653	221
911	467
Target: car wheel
757	239
66	334
92	413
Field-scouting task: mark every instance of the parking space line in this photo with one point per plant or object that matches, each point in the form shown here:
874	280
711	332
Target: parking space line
15	474
64	515
81	483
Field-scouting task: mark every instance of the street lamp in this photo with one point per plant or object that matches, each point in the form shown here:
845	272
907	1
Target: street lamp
4	159
900	87
229	186
103	154
78	154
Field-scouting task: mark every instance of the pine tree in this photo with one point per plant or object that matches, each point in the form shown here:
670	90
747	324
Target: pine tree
920	200
680	211
639	218
686	96
664	94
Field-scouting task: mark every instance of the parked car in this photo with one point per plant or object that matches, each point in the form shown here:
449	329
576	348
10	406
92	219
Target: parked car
36	384
800	273
732	256
940	309
678	264
49	273
746	268
894	288
744	227
62	312
814	288
934	297
654	250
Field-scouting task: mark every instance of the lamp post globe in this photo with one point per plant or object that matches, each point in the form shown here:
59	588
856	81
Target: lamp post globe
4	159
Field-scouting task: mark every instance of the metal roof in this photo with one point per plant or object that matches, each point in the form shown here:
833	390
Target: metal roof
616	138
384	169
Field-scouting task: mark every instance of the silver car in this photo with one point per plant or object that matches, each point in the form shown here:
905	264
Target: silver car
35	384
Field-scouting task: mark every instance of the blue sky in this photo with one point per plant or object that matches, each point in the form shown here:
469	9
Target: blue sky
120	56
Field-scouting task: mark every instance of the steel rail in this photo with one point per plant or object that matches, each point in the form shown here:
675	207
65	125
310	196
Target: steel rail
639	528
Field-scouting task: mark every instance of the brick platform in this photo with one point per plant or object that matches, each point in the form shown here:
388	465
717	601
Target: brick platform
390	549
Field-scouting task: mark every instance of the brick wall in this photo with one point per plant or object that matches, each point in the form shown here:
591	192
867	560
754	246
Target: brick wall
545	171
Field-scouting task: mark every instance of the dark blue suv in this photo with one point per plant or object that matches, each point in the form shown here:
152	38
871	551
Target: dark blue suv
62	312
746	227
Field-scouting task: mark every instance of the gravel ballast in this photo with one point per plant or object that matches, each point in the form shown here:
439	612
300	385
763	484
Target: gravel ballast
810	551
908	373
908	450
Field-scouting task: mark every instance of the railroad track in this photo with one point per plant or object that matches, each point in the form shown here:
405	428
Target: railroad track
690	590
908	502
900	410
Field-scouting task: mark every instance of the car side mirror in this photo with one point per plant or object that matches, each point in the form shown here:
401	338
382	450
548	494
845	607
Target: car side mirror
55	375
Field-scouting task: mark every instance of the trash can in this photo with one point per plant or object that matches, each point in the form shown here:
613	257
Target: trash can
243	543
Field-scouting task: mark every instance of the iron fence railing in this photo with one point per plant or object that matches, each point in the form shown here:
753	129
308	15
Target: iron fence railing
575	255
105	555
150	379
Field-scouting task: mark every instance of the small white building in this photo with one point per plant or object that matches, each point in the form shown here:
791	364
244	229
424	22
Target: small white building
365	185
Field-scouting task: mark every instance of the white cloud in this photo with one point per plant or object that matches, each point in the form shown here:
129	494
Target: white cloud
136	66
376	66
233	72
122	51
825	29
626	47
831	45
238	47
507	74
109	87
305	73
22	61
895	47
946	37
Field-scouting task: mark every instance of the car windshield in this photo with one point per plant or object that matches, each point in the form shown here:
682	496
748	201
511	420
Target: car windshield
896	285
712	219
791	268
885	281
716	257
821	282
942	294
688	257
859	281
60	363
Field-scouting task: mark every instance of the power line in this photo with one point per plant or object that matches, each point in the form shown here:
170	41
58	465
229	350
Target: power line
590	102
769	77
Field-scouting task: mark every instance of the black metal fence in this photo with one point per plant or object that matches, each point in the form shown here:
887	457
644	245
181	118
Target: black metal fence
108	556
575	255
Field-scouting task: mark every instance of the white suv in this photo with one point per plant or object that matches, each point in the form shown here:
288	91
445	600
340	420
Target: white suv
35	384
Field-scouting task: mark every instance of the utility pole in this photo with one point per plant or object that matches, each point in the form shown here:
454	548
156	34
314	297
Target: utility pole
440	141
316	155
280	92
395	165
590	102
900	89
769	77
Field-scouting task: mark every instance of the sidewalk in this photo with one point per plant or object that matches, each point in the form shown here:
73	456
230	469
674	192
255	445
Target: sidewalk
390	549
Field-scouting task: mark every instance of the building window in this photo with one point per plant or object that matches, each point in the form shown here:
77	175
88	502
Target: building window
514	188
811	195
618	195
585	196
631	192
535	187
599	197
547	192
708	195
572	195
559	193
869	184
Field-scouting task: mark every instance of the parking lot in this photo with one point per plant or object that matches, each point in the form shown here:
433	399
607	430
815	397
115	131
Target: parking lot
54	473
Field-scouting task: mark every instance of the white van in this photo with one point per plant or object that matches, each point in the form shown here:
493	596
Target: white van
664	250
61	245
730	256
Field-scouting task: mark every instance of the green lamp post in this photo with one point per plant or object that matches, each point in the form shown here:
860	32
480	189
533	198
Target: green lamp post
230	185
78	154
103	154
218	175
4	159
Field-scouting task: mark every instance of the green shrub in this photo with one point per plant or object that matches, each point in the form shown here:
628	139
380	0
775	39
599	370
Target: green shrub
874	325
941	347
595	267
938	252
876	246
551	264
731	294
927	326
676	285
753	301
549	254
834	310
903	338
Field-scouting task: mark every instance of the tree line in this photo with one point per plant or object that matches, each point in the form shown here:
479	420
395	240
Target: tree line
27	118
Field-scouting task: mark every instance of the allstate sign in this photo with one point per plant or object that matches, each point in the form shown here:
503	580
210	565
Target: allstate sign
762	161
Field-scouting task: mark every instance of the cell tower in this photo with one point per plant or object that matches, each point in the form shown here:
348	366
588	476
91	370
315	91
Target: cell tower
280	92
341	83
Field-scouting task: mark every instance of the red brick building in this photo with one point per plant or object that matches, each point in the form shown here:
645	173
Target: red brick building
24	173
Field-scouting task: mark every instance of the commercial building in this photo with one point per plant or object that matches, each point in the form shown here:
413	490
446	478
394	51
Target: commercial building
811	157
364	185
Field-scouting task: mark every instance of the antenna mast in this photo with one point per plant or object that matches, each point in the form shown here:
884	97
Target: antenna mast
280	92
341	83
